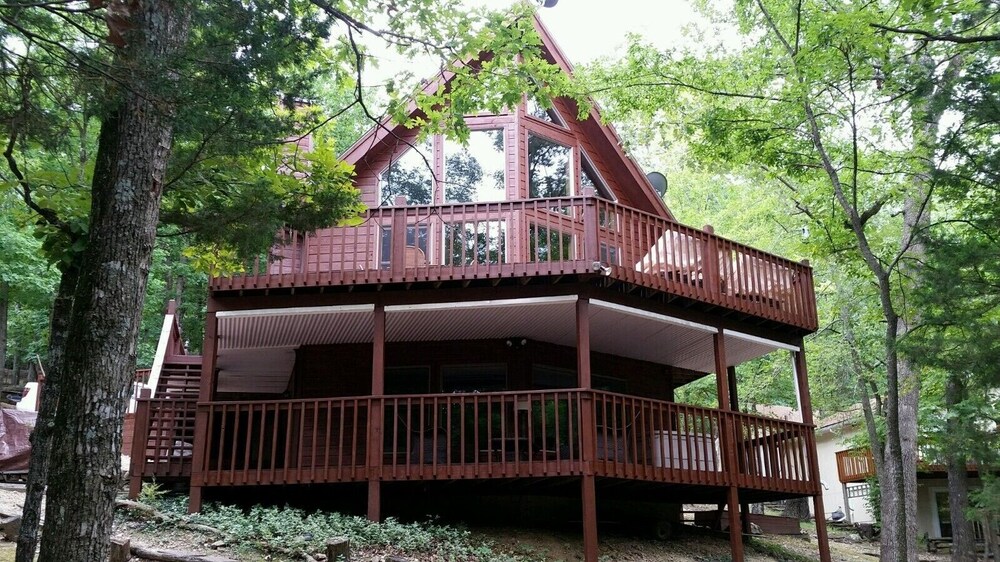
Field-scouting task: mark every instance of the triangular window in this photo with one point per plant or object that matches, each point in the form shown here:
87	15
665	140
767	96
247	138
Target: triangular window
535	109
590	177
409	175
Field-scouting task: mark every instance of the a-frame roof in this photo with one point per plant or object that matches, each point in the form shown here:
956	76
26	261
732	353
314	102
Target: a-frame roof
627	179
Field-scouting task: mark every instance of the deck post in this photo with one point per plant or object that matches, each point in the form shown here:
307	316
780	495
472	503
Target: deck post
140	439
588	488
375	415
397	251
726	401
206	393
805	402
591	246
710	261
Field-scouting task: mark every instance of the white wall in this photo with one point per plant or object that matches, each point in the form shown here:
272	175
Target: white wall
829	440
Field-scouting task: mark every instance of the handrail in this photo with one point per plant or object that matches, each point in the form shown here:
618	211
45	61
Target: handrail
170	343
500	435
563	235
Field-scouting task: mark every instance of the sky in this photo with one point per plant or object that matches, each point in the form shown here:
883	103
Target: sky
584	29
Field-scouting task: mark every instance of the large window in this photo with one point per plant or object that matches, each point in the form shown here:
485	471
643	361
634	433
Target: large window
415	249
547	114
546	244
407	380
475	172
590	177
550	168
490	377
409	175
479	242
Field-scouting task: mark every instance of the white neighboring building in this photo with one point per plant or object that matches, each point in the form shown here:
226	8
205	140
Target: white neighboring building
833	434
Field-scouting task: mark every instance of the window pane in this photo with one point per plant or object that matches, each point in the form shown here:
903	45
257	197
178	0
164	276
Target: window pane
407	380
549	245
474	378
416	237
481	242
591	178
549	115
547	376
549	168
475	172
409	175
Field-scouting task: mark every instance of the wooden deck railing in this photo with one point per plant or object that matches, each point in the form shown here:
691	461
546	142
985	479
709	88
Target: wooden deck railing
286	441
564	235
855	465
164	438
479	435
482	435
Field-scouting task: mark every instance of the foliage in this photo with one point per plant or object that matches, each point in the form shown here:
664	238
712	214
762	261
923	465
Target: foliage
283	529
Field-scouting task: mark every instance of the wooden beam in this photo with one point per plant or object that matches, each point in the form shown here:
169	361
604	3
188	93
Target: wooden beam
583	343
206	393
375	415
805	403
589	494
735	527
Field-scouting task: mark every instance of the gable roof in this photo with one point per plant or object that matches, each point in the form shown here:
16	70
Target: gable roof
629	177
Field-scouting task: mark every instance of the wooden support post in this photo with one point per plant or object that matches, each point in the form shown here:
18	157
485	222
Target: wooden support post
375	415
589	493
140	438
734	399
710	261
726	397
206	393
588	450
397	250
735	527
591	245
805	402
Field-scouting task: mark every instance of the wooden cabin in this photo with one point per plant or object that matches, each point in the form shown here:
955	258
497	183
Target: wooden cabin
517	315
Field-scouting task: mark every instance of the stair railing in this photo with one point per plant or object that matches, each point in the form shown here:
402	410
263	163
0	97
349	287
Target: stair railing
169	343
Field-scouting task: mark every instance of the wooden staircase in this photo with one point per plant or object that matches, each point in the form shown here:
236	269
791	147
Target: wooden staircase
162	446
180	378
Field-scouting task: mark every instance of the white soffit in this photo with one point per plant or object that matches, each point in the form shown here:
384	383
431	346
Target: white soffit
759	340
551	319
653	316
741	347
649	336
292	327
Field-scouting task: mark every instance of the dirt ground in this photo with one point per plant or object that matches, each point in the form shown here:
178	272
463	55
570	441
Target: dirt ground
543	546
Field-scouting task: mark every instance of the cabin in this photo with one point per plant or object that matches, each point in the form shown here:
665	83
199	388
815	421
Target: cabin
511	318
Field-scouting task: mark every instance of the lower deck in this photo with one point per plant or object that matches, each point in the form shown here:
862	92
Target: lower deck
475	436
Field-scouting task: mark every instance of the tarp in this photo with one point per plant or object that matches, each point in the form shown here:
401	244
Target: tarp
15	447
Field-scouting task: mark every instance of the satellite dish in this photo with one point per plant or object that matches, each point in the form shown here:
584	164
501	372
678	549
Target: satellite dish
659	183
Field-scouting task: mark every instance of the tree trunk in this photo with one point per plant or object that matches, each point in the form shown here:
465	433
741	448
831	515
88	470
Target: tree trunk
799	509
963	546
4	303
133	148
41	437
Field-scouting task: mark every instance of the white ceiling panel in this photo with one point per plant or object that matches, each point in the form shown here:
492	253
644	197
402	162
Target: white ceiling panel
292	327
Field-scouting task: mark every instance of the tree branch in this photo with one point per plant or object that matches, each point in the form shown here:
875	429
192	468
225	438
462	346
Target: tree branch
928	36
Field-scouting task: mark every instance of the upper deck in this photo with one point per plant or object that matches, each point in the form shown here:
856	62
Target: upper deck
582	236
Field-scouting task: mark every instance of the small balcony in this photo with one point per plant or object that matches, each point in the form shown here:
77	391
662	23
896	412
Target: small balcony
565	237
